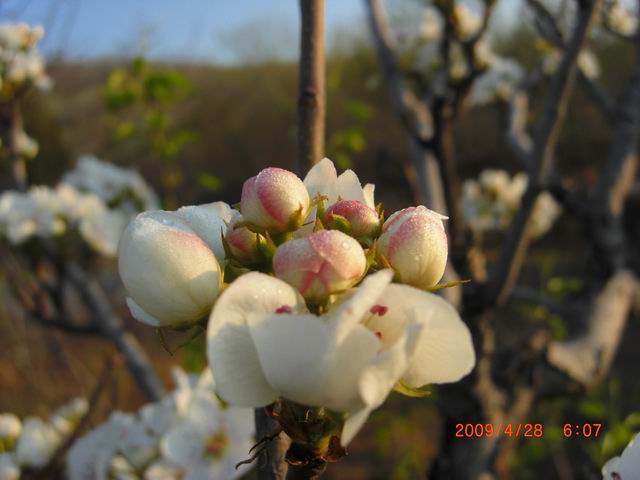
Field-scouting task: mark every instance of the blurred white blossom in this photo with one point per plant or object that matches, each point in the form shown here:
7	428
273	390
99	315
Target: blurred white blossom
96	199
498	82
468	23
116	186
187	435
627	465
20	61
621	20
490	202
587	62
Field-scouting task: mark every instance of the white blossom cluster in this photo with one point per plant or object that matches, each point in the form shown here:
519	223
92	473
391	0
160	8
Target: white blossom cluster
20	61
30	443
490	202
621	19
587	62
498	82
313	303
187	435
96	200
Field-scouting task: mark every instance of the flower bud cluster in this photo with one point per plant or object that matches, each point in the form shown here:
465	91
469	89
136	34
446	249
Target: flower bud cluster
295	289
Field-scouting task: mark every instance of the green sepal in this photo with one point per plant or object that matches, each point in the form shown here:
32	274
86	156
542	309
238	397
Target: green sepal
404	389
442	286
338	222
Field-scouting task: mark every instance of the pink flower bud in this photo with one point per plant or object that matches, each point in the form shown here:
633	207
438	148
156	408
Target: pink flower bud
242	242
414	243
364	220
275	200
321	264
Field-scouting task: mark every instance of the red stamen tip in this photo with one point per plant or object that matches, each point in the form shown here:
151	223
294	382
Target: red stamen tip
379	310
284	309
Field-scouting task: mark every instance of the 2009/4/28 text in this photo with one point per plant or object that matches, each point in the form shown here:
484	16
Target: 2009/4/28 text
527	430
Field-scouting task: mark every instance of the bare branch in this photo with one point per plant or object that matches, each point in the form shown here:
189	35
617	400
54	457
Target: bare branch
111	327
311	86
273	465
548	129
588	358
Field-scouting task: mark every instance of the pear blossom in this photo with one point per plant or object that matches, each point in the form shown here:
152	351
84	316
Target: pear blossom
363	220
10	426
490	203
323	179
168	439
20	60
627	465
65	418
431	24
467	22
112	184
275	200
208	441
587	62
621	20
414	243
168	266
37	443
9	469
497	83
262	345
325	262
242	242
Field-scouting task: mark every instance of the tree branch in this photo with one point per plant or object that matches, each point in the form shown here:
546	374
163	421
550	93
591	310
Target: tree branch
111	327
272	465
311	86
511	257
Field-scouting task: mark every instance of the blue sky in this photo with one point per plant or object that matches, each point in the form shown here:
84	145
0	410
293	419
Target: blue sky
187	29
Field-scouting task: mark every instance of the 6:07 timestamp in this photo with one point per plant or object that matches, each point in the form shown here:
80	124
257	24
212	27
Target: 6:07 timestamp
586	430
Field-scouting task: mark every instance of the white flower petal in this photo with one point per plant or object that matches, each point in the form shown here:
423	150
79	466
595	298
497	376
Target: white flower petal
444	351
230	349
353	308
207	224
627	465
322	179
168	269
294	354
140	315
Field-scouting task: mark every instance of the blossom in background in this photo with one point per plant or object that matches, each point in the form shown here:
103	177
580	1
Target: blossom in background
168	267
20	60
490	202
96	199
262	345
187	435
31	442
498	82
467	23
587	62
620	19
627	465
431	24
114	185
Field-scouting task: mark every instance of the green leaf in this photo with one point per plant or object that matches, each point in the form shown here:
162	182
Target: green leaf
209	181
